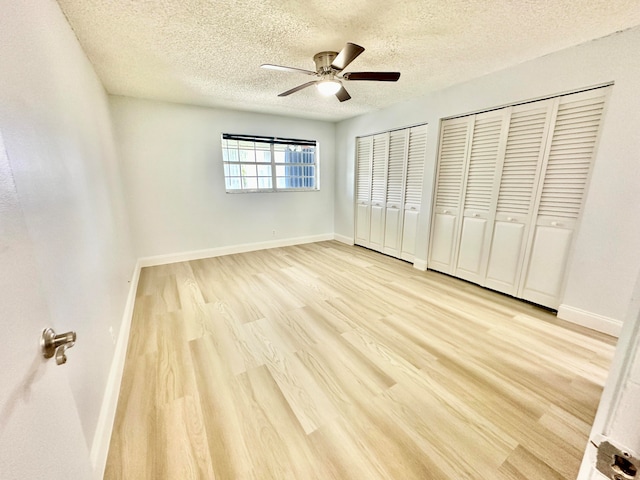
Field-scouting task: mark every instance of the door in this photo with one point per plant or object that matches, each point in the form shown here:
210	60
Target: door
525	148
378	190
454	143
480	193
363	190
40	431
560	197
413	190
398	145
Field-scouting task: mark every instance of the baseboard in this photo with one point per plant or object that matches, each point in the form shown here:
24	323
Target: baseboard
230	250
343	239
102	436
597	322
420	264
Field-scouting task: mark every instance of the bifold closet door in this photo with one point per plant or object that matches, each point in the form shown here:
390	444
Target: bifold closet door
480	193
396	166
364	151
525	148
378	190
454	144
559	201
413	190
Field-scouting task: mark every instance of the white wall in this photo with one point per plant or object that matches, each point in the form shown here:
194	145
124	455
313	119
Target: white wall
607	258
65	250
174	180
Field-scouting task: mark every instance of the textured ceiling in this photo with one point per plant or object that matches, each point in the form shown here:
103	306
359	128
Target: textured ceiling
208	52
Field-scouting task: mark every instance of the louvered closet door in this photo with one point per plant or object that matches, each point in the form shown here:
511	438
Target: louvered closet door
560	198
480	193
395	191
454	139
378	190
413	190
525	148
364	151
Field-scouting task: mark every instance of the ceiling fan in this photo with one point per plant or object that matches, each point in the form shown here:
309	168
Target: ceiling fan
329	67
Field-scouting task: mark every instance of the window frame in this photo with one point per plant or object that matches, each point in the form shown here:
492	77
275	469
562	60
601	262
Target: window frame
273	164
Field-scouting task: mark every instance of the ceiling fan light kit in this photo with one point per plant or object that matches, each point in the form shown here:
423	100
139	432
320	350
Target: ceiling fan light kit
328	86
329	66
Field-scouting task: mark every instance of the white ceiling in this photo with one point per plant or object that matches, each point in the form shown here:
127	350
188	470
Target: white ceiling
208	52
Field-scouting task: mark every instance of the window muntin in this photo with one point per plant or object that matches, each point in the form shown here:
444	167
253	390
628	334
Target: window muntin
269	164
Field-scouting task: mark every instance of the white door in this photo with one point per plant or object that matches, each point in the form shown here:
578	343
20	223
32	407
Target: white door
378	190
364	146
454	140
528	130
480	193
559	200
413	190
398	145
40	431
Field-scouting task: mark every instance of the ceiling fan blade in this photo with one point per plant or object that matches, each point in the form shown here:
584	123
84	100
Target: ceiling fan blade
347	55
374	76
343	95
295	89
268	66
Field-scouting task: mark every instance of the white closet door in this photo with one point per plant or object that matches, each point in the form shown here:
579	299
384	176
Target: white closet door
364	151
454	140
480	193
413	191
395	191
525	149
560	198
378	190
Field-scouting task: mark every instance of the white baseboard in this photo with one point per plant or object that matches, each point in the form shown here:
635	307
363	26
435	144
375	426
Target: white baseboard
102	436
343	239
230	250
420	264
597	322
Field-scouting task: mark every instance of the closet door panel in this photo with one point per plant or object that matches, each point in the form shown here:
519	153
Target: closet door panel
416	151
396	167
547	263
410	229
364	146
480	193
525	148
471	246
505	255
378	190
454	139
563	186
444	226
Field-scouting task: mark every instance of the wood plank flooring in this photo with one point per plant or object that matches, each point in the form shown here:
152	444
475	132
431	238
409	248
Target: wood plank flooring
326	361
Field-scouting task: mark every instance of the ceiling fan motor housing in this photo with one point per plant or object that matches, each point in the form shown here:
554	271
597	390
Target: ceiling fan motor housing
323	61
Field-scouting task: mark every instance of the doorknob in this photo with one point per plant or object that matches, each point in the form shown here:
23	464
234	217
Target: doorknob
52	344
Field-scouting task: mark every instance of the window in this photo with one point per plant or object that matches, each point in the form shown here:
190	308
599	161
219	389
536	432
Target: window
268	164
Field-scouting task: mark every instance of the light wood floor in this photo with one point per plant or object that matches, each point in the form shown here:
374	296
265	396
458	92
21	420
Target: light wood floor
326	361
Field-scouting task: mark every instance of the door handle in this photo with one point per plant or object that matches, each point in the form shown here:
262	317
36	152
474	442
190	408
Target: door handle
52	344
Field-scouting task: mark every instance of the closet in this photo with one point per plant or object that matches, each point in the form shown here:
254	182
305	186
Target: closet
509	190
389	169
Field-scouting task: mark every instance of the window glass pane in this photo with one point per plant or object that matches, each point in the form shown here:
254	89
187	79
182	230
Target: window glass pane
247	155
250	183
264	170
232	155
262	156
279	156
249	171
264	182
234	170
233	183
